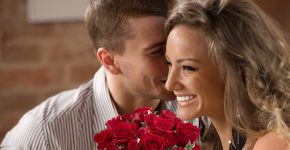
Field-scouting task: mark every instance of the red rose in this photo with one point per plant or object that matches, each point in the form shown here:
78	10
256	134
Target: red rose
167	114
141	132
152	142
123	131
113	122
134	145
169	138
127	117
164	124
113	145
186	132
196	147
149	119
146	130
103	138
138	114
177	121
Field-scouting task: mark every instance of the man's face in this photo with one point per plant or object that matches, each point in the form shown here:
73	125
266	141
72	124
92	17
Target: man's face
142	64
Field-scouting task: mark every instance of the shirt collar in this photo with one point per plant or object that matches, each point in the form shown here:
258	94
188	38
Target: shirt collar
104	107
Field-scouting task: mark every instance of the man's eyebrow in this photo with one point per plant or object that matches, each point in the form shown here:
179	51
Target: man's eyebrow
155	45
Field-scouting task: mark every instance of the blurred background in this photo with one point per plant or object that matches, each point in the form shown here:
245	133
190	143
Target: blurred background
45	49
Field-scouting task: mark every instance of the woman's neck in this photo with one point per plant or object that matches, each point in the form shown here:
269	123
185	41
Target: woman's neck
224	131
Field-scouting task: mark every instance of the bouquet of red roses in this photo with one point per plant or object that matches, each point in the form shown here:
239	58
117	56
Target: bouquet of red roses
145	130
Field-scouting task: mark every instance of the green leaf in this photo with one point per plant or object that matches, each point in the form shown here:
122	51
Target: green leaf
189	146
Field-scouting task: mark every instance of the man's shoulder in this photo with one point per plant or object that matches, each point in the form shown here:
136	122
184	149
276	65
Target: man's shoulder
62	103
51	117
59	105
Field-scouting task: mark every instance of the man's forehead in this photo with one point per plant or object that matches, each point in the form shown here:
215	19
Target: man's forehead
146	31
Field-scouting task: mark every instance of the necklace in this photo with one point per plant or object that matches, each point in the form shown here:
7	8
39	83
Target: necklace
238	140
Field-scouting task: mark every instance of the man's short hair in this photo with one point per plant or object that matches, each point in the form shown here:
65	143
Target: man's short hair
106	20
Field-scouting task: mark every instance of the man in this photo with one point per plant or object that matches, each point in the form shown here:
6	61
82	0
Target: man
130	43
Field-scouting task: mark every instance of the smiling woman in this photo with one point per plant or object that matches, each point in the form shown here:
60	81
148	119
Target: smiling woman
193	77
218	54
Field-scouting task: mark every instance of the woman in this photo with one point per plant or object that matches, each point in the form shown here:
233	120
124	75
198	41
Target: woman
227	61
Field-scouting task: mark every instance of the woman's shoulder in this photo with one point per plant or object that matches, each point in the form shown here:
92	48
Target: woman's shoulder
272	141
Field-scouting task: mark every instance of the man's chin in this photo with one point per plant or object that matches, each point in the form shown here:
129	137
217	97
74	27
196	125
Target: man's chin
168	97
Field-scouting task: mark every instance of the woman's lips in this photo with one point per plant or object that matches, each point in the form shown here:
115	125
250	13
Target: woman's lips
185	98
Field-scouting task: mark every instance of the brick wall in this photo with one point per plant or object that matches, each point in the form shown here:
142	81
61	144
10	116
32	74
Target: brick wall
39	60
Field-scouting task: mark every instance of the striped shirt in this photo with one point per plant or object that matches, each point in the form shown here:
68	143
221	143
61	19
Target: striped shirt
68	120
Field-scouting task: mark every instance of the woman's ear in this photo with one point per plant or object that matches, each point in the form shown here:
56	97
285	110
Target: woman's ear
107	59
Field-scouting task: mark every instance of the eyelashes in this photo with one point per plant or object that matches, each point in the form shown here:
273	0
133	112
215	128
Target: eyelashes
189	68
186	68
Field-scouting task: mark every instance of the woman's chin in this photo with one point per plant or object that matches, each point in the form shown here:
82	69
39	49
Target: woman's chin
185	115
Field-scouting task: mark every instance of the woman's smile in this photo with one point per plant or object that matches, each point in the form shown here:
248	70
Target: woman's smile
184	101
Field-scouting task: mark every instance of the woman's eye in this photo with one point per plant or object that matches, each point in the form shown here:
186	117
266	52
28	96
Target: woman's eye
189	68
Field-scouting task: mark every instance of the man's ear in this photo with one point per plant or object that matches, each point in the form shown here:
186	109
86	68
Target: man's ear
107	59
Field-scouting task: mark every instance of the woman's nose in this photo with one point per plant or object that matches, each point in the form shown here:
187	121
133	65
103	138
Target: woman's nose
172	80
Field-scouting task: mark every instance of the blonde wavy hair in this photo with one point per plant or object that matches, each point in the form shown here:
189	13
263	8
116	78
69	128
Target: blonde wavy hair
253	57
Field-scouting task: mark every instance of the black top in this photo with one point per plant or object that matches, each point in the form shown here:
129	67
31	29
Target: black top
239	140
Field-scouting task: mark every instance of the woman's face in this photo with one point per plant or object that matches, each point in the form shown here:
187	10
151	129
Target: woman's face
193	77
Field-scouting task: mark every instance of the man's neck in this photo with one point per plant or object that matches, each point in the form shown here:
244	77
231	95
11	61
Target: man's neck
124	100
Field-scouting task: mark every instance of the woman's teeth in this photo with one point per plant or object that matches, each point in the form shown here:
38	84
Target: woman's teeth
184	98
